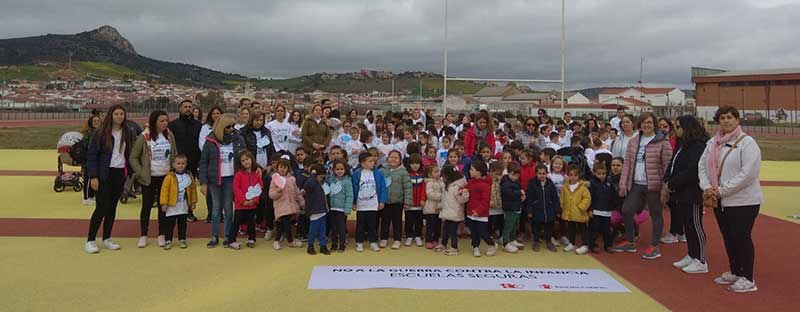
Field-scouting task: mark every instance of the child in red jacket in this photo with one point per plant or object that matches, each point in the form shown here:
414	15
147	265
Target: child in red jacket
247	186
480	189
527	173
413	226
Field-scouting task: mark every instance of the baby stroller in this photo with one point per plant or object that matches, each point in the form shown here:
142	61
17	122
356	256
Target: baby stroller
130	190
66	144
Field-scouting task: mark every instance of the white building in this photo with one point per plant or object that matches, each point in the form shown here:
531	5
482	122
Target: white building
655	96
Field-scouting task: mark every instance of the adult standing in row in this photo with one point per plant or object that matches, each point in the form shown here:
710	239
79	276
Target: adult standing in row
728	172
315	132
217	171
647	158
213	116
620	145
530	132
151	159
482	132
186	130
685	193
284	132
615	122
107	167
88	131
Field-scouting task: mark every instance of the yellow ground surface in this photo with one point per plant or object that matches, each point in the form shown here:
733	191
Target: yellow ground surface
55	274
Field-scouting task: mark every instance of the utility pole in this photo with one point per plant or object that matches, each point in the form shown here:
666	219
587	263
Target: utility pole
444	96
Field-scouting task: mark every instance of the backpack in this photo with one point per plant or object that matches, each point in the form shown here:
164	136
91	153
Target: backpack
576	155
78	152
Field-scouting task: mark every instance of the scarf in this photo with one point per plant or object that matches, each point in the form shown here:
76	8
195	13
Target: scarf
719	141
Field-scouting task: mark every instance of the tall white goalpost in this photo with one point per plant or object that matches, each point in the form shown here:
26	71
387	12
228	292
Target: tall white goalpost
563	60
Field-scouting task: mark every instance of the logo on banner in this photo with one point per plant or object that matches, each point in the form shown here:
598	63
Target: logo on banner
512	286
546	286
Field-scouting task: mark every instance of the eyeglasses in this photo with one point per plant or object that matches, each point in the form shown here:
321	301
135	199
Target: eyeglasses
530	125
229	127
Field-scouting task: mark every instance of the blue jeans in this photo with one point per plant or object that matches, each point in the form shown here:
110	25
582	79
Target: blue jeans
318	230
222	198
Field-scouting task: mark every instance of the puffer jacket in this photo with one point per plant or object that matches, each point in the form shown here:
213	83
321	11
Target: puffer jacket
511	195
313	132
343	199
286	202
141	154
575	205
210	163
453	200
604	194
657	155
433	193
316	201
479	196
398	185
543	201
98	156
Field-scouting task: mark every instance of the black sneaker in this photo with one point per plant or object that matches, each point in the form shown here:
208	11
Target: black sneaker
324	250
341	248
213	242
551	247
226	244
311	251
535	246
207	220
191	217
334	247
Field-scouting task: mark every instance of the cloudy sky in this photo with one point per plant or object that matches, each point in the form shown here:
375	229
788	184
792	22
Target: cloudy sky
606	39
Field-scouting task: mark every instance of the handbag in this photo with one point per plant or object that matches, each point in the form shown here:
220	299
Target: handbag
709	200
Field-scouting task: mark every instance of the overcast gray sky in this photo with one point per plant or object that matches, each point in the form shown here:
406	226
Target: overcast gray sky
503	39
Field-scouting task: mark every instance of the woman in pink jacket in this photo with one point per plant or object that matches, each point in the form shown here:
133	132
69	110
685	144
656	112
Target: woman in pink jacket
647	158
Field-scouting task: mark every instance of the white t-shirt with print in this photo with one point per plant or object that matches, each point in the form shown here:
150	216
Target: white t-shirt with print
160	150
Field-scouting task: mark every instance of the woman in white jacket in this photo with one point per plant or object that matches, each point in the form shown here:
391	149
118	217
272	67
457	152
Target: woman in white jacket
728	173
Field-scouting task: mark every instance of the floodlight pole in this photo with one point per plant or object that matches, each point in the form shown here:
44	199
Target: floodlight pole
563	50
444	96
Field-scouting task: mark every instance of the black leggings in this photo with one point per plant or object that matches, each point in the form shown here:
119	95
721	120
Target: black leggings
240	217
265	213
284	229
450	228
169	227
105	210
88	192
433	228
544	228
413	224
496	223
572	228
480	230
150	196
338	221
367	226
392	214
736	225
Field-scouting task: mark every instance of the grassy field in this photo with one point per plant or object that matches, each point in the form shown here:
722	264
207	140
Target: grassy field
772	148
42	73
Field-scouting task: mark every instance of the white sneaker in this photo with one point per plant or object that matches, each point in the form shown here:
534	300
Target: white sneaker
582	250
517	244
476	252
374	247
680	264
510	248
554	242
276	245
491	251
569	247
418	241
161	241
142	242
669	239
564	241
268	235
743	285
384	243
91	247
89	202
696	267
682	238
726	278
296	244
359	247
408	243
396	244
110	244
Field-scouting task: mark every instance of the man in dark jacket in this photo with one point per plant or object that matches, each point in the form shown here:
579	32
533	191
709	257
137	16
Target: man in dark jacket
186	130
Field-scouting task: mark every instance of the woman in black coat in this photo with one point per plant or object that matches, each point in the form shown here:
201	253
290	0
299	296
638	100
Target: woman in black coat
684	185
258	139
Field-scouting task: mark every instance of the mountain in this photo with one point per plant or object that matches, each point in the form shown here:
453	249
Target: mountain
412	83
105	45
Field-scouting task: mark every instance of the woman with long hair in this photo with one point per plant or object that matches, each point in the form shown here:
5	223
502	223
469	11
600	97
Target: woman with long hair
151	159
315	132
481	133
107	167
88	131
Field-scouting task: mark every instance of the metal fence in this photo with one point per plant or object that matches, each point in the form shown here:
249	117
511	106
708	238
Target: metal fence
763	130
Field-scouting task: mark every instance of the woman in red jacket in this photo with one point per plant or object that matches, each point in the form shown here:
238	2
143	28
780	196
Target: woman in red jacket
480	189
482	132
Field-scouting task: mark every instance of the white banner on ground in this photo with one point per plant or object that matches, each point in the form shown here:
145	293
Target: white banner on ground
462	278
